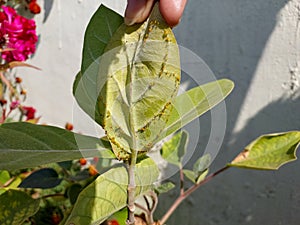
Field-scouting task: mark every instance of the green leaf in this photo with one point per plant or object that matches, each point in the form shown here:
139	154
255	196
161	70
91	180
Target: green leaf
195	102
196	178
202	164
24	145
120	217
269	152
165	187
13	184
43	178
16	207
138	78
66	164
4	177
73	192
108	193
174	150
98	33
190	175
200	169
201	176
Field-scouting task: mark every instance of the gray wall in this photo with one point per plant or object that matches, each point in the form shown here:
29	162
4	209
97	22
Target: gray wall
256	44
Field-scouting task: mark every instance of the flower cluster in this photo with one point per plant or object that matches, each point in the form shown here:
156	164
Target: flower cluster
17	35
14	105
17	43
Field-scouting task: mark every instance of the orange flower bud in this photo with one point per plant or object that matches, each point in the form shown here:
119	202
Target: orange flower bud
92	170
82	161
18	80
69	126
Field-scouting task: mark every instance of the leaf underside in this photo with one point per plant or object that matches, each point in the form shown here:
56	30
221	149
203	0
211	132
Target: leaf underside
139	76
185	107
269	152
108	193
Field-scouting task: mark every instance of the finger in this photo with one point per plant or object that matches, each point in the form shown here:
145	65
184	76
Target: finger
137	11
172	10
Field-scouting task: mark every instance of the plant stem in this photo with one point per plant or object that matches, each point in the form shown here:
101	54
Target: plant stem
187	193
131	188
7	83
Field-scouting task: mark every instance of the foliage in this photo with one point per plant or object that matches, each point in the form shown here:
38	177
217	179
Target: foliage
110	190
128	84
269	152
38	145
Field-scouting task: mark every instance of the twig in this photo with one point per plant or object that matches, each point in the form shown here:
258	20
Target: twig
147	211
153	208
187	193
7	183
150	208
8	84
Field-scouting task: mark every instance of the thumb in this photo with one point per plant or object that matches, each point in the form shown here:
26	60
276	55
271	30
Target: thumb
172	10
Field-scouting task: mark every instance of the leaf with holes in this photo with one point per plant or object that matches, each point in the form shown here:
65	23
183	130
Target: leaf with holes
269	152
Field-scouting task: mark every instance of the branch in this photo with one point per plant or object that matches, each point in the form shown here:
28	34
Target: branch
187	193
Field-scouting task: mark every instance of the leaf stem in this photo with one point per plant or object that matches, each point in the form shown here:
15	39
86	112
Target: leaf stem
187	193
131	188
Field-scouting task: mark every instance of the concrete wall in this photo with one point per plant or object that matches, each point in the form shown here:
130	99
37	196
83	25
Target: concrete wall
255	43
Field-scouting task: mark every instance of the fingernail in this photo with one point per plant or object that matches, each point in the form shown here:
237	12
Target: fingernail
129	22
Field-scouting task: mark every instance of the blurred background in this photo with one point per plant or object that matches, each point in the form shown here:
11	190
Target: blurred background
254	43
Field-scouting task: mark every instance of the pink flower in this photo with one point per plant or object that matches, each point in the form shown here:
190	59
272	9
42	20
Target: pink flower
14	105
18	34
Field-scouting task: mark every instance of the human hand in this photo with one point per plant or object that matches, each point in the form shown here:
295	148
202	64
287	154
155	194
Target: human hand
138	10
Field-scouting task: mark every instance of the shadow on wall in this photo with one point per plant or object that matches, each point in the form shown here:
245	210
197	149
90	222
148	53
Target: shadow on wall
250	197
271	119
230	36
